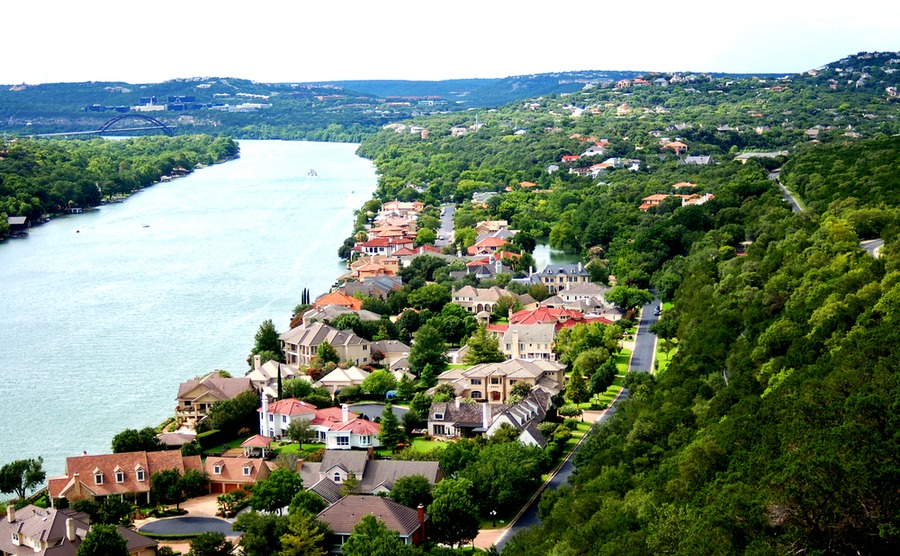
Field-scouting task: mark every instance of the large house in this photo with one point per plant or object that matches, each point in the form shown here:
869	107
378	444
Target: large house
340	378
228	474
559	277
457	419
196	396
276	418
529	341
476	300
342	516
338	428
264	376
301	343
34	531
325	478
125	474
492	382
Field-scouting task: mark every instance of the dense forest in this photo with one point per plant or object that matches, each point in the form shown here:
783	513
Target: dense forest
773	429
45	177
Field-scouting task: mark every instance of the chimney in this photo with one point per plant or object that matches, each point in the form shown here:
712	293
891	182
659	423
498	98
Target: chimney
299	465
421	512
345	413
11	513
457	402
486	416
579	266
70	529
370	452
257	362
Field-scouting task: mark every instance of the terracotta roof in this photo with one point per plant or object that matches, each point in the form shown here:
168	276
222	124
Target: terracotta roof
330	416
344	514
358	426
544	314
232	470
108	465
337	298
257	441
291	407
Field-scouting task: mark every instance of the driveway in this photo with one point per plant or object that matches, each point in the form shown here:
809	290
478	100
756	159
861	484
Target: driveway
372	410
187	525
644	342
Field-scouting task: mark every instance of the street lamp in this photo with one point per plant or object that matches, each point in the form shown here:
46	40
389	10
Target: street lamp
494	517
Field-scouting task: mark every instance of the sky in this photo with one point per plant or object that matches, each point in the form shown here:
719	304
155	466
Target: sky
46	41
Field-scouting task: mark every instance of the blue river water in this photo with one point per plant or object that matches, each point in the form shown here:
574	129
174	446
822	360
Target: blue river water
103	314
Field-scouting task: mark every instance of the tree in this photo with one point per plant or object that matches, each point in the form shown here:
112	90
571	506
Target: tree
504	305
589	360
603	377
378	383
235	414
518	392
391	434
430	296
351	483
503	475
276	492
576	389
421	404
327	353
194	483
371	537
103	540
665	328
454	513
305	536
406	389
483	348
428	349
267	340
300	431
166	487
411	491
133	440
628	297
260	533
114	511
307	501
22	475
211	544
410	421
425	236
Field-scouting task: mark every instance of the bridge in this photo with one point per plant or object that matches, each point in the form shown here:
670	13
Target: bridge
107	127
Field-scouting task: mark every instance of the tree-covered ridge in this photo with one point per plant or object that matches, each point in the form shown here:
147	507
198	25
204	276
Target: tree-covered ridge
40	177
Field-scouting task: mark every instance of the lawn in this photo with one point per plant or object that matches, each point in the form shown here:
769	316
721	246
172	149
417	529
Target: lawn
663	358
622	360
419	444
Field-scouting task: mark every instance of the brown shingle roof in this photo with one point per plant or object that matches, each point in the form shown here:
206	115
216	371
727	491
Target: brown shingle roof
107	465
344	514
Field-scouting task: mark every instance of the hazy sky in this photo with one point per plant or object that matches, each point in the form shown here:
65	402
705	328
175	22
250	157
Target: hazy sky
301	40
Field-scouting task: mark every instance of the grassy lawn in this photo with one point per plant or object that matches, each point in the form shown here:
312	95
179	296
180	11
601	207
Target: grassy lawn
663	357
611	392
419	444
235	443
290	448
458	366
622	360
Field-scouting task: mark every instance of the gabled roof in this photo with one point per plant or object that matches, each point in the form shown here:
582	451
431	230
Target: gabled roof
344	376
338	298
344	514
87	466
214	385
231	470
257	441
317	332
291	407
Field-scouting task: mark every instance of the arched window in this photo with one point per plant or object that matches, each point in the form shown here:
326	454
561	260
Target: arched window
337	477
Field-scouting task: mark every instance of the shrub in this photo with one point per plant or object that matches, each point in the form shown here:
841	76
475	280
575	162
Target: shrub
569	410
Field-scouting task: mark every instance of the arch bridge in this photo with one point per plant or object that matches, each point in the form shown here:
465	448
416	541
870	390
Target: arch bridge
107	127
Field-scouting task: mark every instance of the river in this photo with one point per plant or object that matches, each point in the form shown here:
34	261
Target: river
104	314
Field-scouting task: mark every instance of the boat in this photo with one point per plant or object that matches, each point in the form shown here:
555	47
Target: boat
312	173
145	225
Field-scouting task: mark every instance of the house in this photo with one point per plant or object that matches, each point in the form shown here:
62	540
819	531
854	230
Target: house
228	474
475	300
697	160
342	516
385	246
301	343
654	200
275	418
393	351
349	432
328	313
487	246
677	146
490	226
126	474
493	381
459	419
264	376
374	476
529	341
196	396
37	531
342	378
544	314
379	286
18	225
559	277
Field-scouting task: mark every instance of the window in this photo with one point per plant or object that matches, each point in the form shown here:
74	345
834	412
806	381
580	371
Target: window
439	429
495	380
187	403
513	381
15	537
217	469
271	417
439	417
337	477
98	478
475	382
363	440
343	441
247	469
476	394
120	476
284	418
140	475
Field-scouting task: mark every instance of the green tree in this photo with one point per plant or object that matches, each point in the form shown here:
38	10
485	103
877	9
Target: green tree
276	492
504	474
133	440
421	404
430	296
603	377
428	349
666	328
425	236
194	483
211	544
305	537
454	512
406	388
266	340
166	487
411	491
114	511
20	476
576	389
103	540
378	383
235	414
351	484
371	537
589	360
327	353
504	305
307	501
260	533
391	433
483	348
300	431
628	297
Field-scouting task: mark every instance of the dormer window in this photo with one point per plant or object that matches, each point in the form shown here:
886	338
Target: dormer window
247	469
337	477
438	416
140	475
217	469
98	478
120	476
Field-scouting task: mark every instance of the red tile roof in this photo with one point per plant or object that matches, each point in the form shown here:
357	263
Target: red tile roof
108	465
291	407
338	298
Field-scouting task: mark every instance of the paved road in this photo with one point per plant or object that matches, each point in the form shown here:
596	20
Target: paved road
873	246
446	229
795	206
645	342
